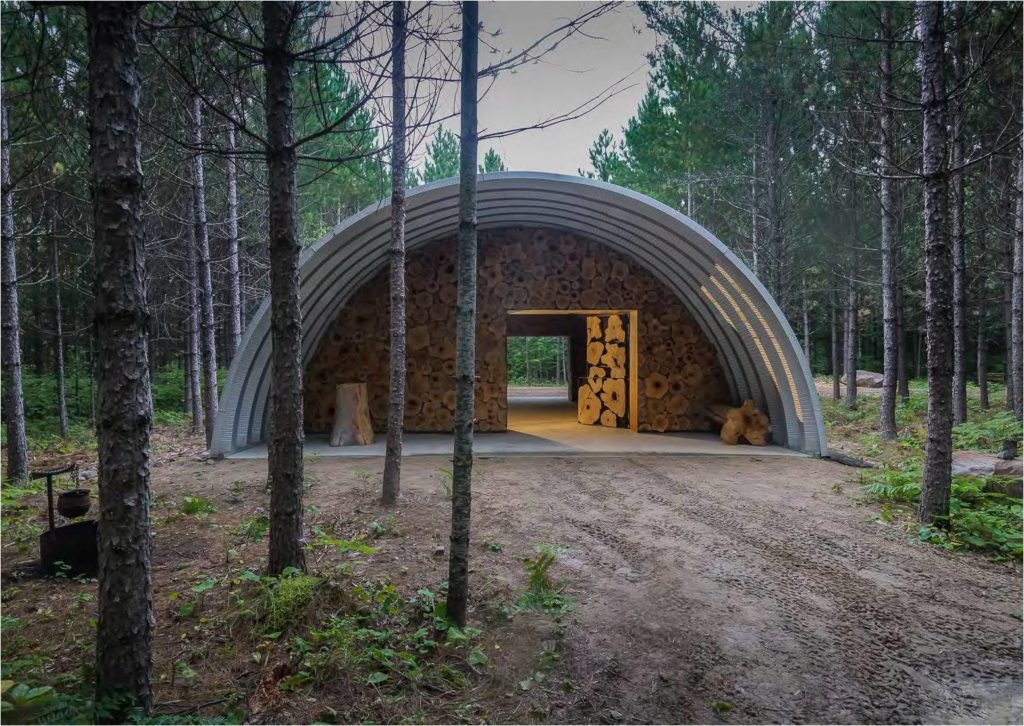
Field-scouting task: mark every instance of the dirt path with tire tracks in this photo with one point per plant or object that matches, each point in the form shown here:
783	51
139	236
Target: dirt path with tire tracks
737	590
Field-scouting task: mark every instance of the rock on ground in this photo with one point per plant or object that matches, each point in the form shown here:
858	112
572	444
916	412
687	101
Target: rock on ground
867	379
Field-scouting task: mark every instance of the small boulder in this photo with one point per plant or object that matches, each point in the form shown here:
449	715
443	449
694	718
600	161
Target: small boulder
868	379
439	551
975	463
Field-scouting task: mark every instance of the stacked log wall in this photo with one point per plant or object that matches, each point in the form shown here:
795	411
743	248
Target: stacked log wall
520	269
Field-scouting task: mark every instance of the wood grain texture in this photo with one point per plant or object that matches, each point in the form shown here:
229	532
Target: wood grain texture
519	269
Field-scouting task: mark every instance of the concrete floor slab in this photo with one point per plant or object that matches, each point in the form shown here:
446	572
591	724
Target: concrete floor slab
541	426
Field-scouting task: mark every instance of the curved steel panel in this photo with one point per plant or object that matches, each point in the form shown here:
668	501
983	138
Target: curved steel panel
756	347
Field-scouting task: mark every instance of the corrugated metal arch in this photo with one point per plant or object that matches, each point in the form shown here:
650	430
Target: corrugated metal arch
755	344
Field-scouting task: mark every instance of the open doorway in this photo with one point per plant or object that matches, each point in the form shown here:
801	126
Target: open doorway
548	365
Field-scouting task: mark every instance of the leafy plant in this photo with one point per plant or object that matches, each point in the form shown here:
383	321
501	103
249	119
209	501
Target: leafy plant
988	521
254	528
196	506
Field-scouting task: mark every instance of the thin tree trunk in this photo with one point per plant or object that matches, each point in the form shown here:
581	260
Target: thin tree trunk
234	278
208	325
195	396
1016	302
957	228
982	357
837	361
465	333
58	337
935	488
1009	378
755	238
850	344
902	354
284	449
981	342
124	655
14	397
186	366
890	328
806	319
396	401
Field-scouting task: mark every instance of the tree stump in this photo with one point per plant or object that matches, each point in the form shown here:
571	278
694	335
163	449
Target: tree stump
352	425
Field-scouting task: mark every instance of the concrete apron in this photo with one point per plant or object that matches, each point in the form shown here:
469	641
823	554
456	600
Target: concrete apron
541	426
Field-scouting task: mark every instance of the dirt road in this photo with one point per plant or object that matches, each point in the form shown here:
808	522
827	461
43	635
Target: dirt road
732	589
751	584
707	589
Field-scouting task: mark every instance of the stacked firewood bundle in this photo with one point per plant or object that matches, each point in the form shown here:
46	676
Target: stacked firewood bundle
603	397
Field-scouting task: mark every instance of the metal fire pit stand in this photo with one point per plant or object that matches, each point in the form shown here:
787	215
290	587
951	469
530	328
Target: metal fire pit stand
75	545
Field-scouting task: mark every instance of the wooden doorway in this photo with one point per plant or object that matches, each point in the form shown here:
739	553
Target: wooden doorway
575	322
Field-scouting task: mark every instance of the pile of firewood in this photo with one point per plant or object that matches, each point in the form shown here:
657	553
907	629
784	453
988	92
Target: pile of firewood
743	424
603	397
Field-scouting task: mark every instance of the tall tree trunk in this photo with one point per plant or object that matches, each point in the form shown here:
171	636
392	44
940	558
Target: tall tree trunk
837	356
465	332
58	337
805	310
396	401
1008	327
902	354
982	357
234	278
755	237
1016	301
887	148
124	655
958	227
980	295
284	449
195	397
850	343
208	325
935	487
14	396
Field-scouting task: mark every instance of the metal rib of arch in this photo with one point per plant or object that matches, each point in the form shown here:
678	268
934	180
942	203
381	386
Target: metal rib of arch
755	345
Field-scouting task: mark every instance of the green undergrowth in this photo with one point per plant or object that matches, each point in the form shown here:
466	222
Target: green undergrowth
984	430
980	517
41	419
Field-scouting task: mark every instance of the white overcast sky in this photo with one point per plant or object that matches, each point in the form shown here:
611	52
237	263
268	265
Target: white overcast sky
578	70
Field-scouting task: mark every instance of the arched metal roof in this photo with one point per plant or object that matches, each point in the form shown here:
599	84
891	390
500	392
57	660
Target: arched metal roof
755	345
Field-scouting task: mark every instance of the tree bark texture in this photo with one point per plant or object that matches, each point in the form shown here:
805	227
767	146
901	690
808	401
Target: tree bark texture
1016	301
958	228
935	487
124	423
234	278
284	447
887	195
58	337
14	395
207	323
194	346
465	341
850	343
396	399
